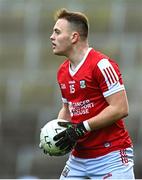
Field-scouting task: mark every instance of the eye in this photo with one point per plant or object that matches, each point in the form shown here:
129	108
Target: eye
57	31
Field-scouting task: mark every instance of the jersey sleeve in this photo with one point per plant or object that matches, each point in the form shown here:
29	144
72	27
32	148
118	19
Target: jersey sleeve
64	100
109	77
60	76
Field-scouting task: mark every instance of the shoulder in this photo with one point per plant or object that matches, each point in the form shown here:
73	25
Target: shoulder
100	60
63	68
64	65
96	56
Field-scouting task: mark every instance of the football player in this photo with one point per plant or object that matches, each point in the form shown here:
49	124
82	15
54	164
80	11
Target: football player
94	102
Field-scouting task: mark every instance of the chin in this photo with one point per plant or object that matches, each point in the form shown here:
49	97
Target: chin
58	53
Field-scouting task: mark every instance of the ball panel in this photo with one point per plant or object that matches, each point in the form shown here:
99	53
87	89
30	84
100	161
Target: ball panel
46	136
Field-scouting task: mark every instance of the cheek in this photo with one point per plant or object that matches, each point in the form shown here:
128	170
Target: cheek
64	43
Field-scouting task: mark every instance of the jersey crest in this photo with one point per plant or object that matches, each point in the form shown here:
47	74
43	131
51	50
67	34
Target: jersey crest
82	84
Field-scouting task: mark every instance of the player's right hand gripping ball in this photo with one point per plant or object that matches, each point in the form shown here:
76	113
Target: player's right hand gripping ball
70	135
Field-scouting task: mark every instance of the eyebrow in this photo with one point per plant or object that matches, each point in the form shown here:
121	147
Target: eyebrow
56	29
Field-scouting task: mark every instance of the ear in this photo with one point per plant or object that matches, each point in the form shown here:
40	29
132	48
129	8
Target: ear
75	37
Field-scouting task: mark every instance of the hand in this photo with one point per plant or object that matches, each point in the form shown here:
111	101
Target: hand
69	137
66	150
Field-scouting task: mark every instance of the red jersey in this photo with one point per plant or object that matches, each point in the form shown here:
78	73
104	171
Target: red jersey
85	89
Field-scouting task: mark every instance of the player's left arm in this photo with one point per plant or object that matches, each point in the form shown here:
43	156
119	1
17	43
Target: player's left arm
113	90
117	108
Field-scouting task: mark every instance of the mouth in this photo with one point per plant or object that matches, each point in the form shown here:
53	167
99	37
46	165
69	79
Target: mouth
53	45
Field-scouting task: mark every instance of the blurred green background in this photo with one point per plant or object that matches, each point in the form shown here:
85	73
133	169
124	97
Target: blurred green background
29	94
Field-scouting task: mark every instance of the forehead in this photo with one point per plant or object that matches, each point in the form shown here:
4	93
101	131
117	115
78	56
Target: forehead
61	24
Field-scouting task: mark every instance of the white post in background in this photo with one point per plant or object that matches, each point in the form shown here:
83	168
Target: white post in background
33	40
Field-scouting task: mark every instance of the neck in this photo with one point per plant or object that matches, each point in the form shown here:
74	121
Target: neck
77	55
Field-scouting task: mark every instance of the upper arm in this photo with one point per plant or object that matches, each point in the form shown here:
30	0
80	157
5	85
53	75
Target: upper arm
65	106
119	101
109	77
64	113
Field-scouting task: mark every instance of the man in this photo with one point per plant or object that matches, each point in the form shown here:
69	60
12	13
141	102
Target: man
94	103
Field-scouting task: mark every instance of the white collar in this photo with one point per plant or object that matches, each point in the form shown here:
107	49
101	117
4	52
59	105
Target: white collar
73	72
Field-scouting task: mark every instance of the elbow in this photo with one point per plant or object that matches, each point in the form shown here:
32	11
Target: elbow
125	112
122	111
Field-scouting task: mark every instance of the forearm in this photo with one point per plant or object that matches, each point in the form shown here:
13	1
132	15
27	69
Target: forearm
107	117
118	108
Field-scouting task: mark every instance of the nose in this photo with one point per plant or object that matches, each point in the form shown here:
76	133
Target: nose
52	37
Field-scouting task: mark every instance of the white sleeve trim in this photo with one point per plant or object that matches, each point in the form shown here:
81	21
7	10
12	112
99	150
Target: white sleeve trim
64	100
86	125
116	89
